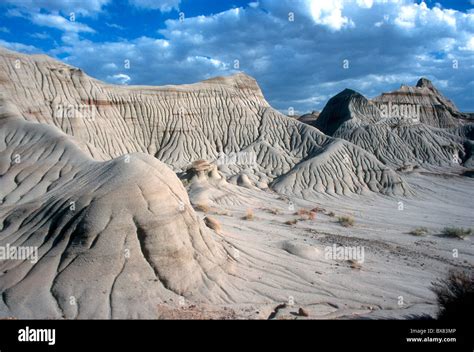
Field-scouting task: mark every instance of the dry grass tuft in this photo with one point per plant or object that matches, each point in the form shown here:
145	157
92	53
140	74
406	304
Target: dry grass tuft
346	221
250	215
305	214
456	232
455	296
419	231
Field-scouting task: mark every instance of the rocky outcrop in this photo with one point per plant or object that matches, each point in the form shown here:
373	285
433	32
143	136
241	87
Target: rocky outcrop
309	118
113	238
347	110
211	120
427	102
402	129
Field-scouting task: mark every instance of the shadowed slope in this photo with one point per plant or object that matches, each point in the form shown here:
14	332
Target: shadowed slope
400	130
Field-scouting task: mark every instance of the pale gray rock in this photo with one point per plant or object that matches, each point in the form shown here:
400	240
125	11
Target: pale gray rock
182	124
114	238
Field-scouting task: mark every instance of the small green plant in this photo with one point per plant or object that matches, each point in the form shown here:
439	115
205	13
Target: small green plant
346	221
456	232
419	231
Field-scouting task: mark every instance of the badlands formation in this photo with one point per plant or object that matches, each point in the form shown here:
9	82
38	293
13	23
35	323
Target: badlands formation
202	201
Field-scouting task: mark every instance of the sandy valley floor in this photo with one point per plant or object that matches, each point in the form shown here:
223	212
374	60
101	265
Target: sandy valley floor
277	262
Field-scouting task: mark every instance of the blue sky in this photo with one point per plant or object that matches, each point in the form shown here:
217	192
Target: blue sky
296	49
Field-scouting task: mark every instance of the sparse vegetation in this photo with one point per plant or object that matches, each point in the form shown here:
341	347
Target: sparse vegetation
346	221
331	214
202	207
456	232
212	224
249	215
419	231
305	214
455	296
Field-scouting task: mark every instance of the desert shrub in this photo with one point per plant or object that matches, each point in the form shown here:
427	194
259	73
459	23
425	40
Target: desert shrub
346	221
455	296
456	232
419	231
291	222
331	214
305	214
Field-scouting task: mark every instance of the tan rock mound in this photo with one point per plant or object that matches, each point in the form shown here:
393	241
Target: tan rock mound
113	238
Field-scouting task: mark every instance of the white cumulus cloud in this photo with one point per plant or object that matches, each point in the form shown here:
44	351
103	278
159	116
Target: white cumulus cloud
119	78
